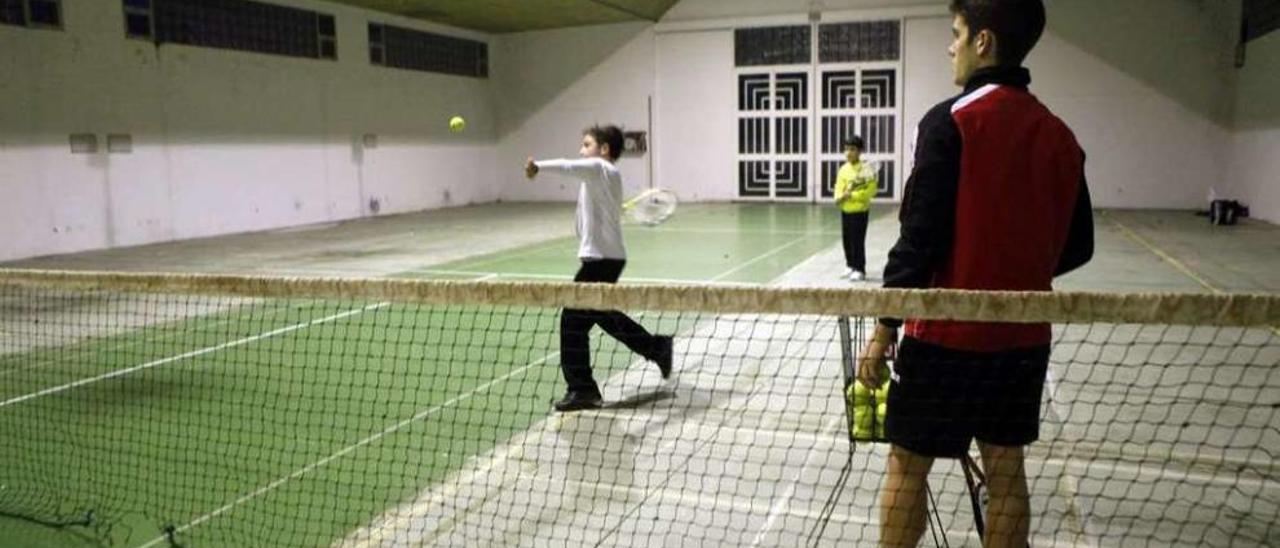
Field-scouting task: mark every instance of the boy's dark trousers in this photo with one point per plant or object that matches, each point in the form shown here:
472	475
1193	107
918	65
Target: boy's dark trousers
853	229
575	329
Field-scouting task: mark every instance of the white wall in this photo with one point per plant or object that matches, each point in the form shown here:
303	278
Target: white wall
230	141
550	85
224	141
928	75
696	133
1255	162
1143	84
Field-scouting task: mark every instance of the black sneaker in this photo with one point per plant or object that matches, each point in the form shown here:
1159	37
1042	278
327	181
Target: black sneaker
662	350
576	401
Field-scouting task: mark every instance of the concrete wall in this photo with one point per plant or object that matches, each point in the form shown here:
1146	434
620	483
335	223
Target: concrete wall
1140	82
1254	177
696	136
550	85
1146	85
224	141
230	141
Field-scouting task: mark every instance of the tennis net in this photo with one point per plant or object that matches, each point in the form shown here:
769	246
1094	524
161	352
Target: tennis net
191	410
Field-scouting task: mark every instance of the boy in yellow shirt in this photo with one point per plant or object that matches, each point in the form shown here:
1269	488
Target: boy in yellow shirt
855	186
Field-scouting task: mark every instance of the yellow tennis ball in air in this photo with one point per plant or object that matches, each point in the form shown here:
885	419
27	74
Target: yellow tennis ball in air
457	124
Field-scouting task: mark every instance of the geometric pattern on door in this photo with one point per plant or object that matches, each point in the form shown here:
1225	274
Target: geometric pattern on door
774	150
793	115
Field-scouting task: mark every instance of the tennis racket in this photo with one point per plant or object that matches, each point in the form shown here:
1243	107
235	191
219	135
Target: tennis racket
652	206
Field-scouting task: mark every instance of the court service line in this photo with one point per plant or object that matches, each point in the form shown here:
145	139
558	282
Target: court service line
506	255
185	355
485	276
375	533
696	500
752	382
670	230
714	502
758	258
123	345
349	449
785	501
1075	503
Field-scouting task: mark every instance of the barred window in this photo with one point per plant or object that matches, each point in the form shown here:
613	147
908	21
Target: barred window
241	25
1260	18
398	47
772	46
138	19
857	42
31	13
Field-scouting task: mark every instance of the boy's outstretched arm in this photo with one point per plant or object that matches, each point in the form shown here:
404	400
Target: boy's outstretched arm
590	170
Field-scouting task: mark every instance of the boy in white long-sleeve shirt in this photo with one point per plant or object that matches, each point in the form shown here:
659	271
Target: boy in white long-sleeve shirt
603	257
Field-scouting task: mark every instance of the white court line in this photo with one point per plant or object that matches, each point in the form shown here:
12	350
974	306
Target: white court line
375	530
482	276
138	340
696	500
1152	471
758	258
381	529
348	449
739	506
506	255
747	232
490	275
784	501
183	356
1068	483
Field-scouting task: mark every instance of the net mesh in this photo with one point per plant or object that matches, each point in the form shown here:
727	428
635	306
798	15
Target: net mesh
152	410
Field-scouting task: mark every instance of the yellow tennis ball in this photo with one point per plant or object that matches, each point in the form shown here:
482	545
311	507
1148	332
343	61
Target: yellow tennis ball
862	427
457	124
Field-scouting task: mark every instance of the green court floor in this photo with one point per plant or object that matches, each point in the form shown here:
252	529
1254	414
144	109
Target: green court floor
748	243
296	422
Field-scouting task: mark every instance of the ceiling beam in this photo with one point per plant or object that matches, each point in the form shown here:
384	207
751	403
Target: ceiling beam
623	9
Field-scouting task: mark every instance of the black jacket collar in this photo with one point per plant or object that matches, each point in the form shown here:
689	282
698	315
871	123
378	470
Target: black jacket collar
1018	77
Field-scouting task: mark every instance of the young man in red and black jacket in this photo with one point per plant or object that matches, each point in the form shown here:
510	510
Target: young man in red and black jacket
996	200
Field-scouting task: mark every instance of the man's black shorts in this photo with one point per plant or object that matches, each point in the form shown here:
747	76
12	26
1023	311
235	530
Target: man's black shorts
942	399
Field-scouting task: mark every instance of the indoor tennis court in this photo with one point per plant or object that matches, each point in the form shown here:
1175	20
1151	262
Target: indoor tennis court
276	276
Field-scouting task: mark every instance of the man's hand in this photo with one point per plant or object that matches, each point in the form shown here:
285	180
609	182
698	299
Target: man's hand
871	366
530	168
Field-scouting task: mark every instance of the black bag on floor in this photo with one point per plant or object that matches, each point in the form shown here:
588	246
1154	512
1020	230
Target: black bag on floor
1223	212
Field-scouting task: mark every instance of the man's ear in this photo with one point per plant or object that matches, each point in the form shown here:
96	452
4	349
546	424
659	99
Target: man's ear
985	43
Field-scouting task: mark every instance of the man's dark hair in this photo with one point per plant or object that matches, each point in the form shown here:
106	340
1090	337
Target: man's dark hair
1017	25
607	135
854	141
